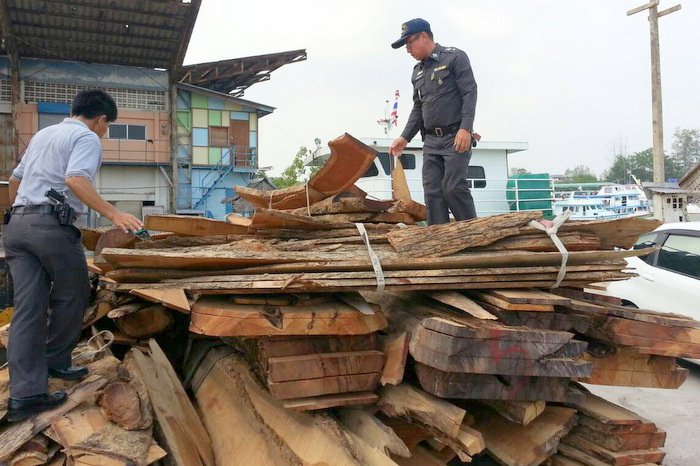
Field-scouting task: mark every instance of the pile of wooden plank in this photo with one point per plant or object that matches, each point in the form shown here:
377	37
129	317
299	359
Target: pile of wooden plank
330	329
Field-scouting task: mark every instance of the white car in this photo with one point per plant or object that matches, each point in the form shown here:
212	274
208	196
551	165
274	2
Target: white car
669	279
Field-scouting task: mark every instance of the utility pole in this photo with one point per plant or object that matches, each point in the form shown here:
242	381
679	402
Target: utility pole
656	105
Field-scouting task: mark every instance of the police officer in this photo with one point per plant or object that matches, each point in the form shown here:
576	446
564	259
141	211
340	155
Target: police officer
45	255
444	103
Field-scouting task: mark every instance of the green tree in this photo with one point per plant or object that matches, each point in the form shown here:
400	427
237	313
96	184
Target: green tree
686	149
293	174
641	165
580	174
519	171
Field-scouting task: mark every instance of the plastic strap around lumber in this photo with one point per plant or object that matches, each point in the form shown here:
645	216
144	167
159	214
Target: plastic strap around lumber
552	232
376	265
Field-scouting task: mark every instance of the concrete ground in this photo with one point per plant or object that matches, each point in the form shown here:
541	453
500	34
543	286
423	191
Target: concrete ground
675	411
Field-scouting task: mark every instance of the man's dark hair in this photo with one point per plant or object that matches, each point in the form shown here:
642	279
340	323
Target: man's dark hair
93	103
430	34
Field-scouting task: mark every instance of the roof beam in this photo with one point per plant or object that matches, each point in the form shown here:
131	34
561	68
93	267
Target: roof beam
185	38
93	38
171	9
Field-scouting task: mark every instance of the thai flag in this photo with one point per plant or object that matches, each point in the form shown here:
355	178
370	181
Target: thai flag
395	109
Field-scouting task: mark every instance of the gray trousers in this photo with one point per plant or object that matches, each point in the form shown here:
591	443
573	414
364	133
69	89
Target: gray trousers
48	269
445	187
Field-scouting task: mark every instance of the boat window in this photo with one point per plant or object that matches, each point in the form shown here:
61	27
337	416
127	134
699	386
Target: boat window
476	177
384	159
408	161
681	254
371	171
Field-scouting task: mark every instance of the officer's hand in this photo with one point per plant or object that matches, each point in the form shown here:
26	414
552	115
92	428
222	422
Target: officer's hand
396	148
126	222
463	141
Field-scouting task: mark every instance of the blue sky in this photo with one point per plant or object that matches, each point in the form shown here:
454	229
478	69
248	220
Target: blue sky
570	78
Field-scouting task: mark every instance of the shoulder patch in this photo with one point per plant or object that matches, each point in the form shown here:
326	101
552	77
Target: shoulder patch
449	49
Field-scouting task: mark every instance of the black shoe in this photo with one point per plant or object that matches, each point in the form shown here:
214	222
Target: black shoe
19	409
69	373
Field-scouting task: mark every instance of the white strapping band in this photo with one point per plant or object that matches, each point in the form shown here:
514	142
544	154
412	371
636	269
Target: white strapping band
552	232
376	265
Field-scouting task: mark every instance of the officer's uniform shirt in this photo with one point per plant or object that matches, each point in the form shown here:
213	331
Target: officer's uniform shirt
444	94
55	153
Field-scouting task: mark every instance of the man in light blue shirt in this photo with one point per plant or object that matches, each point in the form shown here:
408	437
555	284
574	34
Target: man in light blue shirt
45	253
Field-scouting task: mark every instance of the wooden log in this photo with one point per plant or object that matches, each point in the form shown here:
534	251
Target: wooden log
529	445
313	366
145	322
621	458
185	438
491	387
121	404
249	426
324	386
219	317
12	438
395	347
406	400
373	431
421	456
519	412
188	225
443	240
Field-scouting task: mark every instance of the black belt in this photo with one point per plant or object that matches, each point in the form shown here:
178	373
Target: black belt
443	131
33	209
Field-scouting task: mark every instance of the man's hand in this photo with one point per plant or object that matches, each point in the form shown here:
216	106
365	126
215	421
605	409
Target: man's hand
126	222
463	141
396	148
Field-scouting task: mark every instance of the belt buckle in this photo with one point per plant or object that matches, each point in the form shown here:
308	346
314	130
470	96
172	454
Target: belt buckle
438	132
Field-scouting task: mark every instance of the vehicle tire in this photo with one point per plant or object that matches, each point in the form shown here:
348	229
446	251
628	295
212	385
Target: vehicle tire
629	304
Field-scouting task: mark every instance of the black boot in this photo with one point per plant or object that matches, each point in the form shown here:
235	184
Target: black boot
69	373
19	409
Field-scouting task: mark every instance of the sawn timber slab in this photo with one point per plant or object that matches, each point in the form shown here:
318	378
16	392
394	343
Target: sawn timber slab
218	316
312	366
324	386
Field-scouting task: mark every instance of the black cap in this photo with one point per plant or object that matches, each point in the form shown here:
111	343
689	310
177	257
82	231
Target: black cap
409	28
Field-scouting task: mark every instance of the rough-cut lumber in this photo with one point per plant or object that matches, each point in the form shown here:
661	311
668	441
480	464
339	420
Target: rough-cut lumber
344	205
251	256
373	431
172	299
530	445
315	403
395	347
543	367
621	458
519	412
492	387
490	298
608	413
112	445
324	386
622	441
348	161
416	210
399	185
619	233
459	301
249	426
529	297
406	400
421	456
216	316
626	367
186	439
13	437
442	240
312	366
188	225
572	241
145	322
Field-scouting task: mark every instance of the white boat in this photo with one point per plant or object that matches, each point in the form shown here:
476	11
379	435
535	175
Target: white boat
584	208
611	202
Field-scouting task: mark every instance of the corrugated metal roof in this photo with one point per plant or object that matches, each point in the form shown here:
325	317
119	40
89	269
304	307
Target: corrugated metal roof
236	75
152	33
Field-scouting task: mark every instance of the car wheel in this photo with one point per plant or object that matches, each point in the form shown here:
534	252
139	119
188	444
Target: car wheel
629	304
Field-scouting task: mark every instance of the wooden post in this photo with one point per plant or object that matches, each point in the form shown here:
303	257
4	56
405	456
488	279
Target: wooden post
657	112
